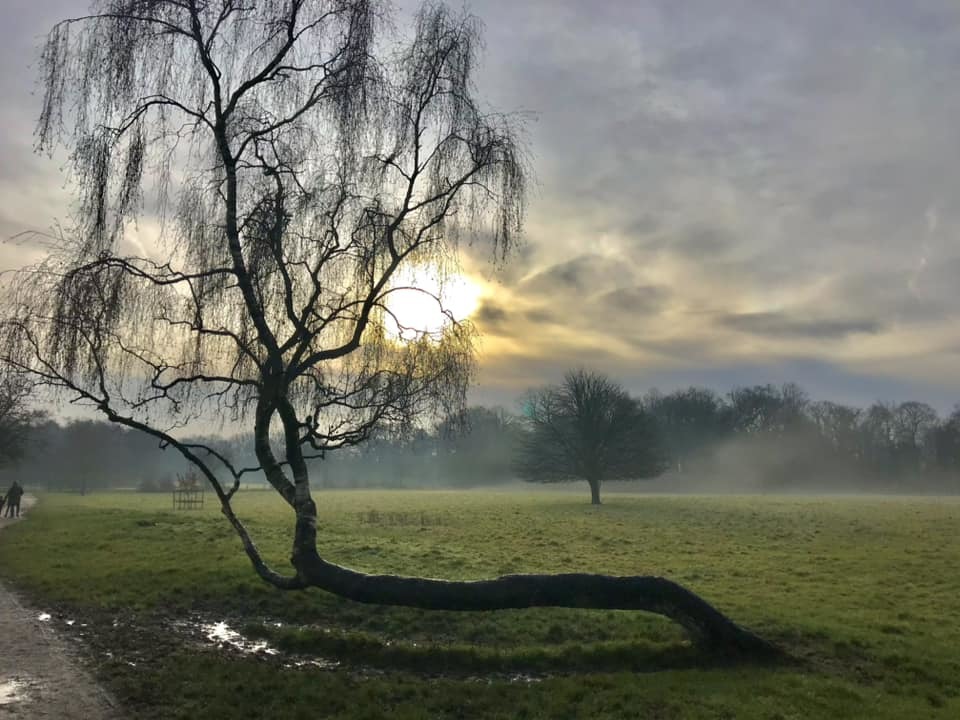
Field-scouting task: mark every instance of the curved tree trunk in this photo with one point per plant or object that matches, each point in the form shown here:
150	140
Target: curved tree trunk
594	492
706	625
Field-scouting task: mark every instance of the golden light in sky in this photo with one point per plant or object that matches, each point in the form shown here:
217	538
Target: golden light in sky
413	307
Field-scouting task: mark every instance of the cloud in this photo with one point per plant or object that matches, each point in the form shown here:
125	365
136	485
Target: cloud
636	300
778	324
583	274
490	315
722	193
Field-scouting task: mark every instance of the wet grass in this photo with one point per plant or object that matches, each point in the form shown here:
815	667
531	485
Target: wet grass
462	659
865	593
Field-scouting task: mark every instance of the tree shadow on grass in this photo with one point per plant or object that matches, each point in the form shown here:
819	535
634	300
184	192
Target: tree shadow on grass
452	660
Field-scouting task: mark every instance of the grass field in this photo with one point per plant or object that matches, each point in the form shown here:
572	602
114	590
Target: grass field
864	593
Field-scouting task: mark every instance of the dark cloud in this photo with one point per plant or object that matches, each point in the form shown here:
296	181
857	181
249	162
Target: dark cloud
542	316
669	352
637	300
907	297
582	274
784	325
490	315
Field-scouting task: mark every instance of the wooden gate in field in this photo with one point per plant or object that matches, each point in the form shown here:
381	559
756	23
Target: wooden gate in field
188	493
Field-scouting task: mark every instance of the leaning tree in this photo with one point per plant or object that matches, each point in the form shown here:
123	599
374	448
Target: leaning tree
299	159
587	428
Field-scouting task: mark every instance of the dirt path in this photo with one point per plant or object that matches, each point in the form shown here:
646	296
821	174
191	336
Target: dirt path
39	677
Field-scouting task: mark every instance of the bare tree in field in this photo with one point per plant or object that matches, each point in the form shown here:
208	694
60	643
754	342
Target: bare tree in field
300	160
587	428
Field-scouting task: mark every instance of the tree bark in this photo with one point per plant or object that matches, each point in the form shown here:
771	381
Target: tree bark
706	625
594	492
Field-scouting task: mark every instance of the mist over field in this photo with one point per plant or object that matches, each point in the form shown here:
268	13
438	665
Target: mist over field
759	439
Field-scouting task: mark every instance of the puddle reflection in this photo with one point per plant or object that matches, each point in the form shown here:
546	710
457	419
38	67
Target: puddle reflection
12	691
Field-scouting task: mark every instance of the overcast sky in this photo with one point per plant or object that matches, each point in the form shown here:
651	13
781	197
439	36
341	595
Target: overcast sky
729	191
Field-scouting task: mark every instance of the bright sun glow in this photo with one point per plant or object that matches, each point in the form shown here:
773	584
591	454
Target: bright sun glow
418	312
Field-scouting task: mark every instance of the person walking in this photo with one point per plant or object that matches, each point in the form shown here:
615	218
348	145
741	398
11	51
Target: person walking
16	500
13	500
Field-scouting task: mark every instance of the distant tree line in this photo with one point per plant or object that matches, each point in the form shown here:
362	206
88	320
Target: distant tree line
757	438
85	455
786	440
472	449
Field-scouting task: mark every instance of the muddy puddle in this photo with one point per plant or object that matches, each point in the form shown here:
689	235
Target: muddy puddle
13	691
224	636
221	635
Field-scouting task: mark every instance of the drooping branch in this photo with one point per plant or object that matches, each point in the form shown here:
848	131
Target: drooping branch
48	375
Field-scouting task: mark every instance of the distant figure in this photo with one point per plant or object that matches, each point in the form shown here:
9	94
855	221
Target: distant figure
2	501
13	500
16	500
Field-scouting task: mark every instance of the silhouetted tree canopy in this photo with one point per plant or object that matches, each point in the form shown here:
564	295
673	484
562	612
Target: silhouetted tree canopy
691	422
18	419
587	428
477	447
768	409
945	441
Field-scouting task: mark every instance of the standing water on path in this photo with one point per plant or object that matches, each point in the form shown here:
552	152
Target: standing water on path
40	678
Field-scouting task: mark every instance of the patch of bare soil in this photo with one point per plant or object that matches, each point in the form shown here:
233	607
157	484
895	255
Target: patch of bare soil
40	677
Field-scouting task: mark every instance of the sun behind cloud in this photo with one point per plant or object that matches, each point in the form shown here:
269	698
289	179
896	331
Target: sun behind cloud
423	301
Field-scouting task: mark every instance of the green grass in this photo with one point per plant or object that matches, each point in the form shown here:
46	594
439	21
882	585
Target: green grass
865	593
